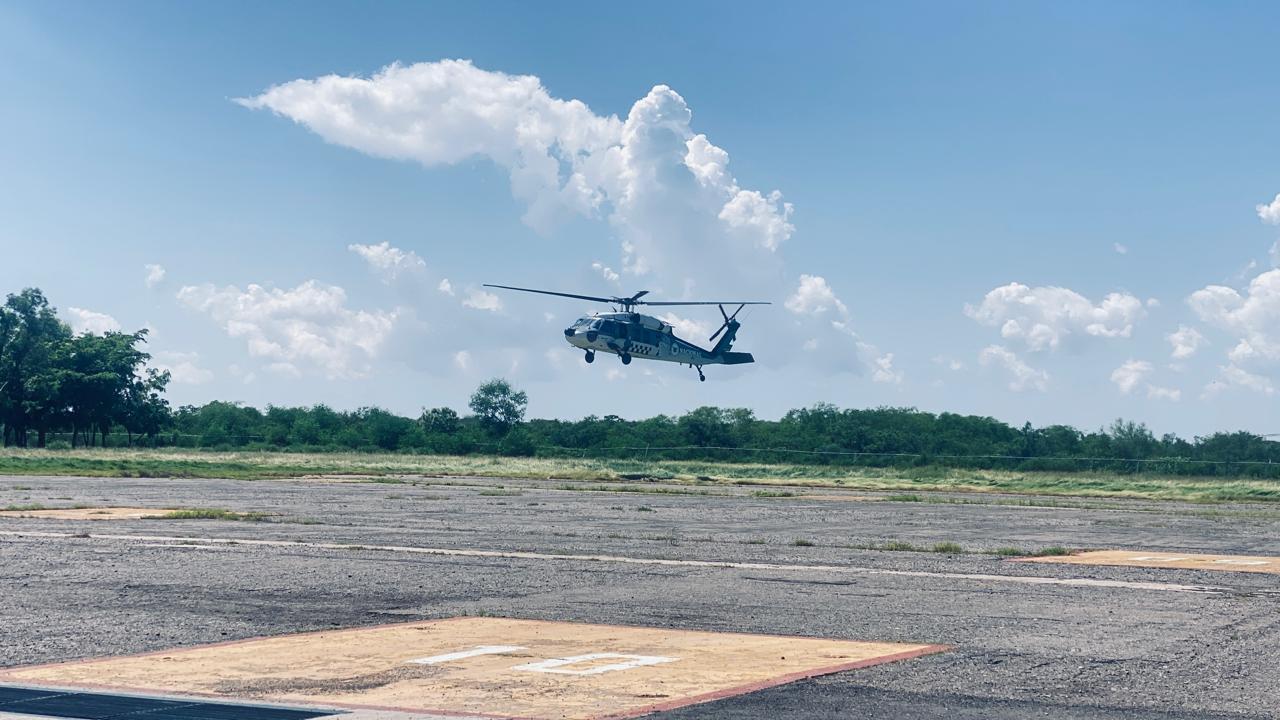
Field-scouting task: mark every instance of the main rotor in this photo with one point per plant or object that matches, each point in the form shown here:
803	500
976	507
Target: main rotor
628	304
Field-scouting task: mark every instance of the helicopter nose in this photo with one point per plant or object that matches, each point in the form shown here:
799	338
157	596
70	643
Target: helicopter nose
568	332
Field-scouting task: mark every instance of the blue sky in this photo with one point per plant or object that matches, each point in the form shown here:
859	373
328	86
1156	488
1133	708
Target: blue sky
992	208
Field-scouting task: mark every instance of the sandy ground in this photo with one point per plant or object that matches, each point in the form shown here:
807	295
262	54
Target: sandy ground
1031	639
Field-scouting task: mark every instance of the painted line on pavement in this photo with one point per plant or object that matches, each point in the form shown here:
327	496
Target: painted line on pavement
521	555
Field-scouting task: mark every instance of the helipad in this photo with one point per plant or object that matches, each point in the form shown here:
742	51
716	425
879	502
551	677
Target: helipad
1185	561
493	667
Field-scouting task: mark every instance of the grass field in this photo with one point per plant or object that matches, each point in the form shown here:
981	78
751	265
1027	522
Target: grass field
388	467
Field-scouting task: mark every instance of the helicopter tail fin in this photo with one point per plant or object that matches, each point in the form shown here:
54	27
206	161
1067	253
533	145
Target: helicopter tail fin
726	340
737	358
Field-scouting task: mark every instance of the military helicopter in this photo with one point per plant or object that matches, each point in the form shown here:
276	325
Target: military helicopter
629	334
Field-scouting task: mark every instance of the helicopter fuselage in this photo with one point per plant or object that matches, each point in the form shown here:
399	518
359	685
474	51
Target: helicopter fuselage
636	335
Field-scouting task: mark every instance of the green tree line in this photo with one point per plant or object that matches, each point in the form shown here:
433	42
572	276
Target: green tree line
94	389
86	385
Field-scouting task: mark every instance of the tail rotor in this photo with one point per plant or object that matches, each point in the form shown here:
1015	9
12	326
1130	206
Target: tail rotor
727	320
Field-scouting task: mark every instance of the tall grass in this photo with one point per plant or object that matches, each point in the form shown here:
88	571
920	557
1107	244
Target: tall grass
388	466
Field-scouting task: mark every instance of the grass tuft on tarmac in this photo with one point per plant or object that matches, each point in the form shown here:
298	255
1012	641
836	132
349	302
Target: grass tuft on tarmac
212	514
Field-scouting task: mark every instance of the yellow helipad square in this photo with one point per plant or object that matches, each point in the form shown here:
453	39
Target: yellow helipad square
486	666
1186	561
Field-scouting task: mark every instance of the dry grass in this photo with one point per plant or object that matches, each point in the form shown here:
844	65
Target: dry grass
390	467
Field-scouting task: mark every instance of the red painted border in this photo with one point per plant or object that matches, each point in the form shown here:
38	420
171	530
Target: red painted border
7	673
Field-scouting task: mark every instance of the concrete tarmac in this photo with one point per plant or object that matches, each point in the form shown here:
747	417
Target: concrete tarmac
1030	640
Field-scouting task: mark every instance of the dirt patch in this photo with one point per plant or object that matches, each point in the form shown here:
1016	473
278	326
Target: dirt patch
94	513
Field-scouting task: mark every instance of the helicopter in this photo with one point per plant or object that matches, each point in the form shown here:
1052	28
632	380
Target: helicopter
629	334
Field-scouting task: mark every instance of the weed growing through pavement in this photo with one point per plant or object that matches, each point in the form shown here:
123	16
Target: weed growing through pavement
213	514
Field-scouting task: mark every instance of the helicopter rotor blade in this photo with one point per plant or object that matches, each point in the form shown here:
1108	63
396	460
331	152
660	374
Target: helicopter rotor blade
703	302
560	294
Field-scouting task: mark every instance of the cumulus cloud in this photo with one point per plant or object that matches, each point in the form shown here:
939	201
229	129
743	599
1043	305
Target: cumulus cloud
666	190
387	261
1235	376
1130	374
815	297
882	370
1185	341
1022	376
310	324
687	328
1121	249
481	300
1254	317
1043	317
155	274
183	367
88	321
1270	212
445	287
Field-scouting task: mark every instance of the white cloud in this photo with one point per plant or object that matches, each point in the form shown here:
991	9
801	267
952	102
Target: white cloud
462	360
883	371
688	329
446	287
1130	374
1043	317
1270	212
1153	303
615	374
1253	317
1232	375
155	274
606	272
88	321
1024	377
814	297
1162	393
1121	249
481	300
387	261
1185	341
308	324
666	190
183	367
286	369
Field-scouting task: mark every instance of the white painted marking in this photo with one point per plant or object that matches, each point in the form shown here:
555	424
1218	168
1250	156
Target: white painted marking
1157	558
559	666
517	555
464	654
1234	561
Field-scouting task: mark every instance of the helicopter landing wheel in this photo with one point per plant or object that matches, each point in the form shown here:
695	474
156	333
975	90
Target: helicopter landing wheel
626	358
701	377
591	357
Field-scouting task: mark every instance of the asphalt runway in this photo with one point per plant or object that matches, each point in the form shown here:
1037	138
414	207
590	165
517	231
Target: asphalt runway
1027	640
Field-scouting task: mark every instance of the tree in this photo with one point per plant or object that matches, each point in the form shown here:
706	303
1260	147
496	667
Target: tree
441	420
498	406
31	335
